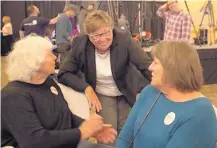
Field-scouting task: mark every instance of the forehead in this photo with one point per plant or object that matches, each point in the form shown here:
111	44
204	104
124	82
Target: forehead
101	30
172	3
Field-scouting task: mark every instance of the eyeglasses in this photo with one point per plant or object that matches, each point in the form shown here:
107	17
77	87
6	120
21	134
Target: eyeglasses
98	36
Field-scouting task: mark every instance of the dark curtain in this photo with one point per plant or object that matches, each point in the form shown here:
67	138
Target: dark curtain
151	22
48	9
17	11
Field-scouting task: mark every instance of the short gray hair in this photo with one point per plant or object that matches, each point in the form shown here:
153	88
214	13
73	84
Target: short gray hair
95	20
26	57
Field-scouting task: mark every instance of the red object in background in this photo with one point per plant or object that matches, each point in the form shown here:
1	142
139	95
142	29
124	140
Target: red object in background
75	32
142	34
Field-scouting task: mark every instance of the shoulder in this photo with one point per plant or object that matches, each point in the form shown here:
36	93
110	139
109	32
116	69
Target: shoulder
8	25
202	107
80	41
148	93
13	92
25	20
62	17
149	89
185	16
79	45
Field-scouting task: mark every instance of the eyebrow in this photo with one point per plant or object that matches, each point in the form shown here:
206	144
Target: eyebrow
99	33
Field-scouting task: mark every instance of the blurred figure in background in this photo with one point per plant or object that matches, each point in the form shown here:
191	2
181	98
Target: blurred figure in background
85	8
35	24
123	23
64	31
178	23
6	35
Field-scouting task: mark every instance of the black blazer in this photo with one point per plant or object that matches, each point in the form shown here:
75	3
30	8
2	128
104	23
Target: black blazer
126	54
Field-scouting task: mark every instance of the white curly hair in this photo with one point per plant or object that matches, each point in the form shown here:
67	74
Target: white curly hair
26	57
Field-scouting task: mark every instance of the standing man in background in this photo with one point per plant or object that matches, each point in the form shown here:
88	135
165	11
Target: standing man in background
85	8
64	31
178	24
35	24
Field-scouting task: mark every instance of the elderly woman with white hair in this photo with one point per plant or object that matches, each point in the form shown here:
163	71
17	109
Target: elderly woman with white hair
34	112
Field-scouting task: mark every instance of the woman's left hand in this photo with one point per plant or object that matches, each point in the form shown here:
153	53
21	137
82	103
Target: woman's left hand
106	135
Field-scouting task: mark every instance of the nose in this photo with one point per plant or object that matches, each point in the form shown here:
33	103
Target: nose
54	57
102	39
150	68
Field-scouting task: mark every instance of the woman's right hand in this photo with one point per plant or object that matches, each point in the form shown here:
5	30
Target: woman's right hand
91	126
93	99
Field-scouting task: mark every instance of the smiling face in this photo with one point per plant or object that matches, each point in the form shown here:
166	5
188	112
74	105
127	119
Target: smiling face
102	38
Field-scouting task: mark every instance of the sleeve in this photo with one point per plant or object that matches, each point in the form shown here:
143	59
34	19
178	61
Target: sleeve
44	21
77	120
162	12
186	28
67	25
25	126
139	58
67	74
198	132
127	132
6	29
22	26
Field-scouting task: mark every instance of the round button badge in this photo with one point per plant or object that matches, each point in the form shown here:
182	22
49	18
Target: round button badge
54	90
170	117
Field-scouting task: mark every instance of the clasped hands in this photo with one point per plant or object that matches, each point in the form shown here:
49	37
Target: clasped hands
94	127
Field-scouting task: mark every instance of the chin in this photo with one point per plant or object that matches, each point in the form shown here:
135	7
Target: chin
155	84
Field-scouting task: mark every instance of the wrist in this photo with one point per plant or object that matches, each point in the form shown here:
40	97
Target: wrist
82	137
88	89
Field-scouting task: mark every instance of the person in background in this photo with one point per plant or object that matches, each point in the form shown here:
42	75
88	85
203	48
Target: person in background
7	35
48	34
177	23
85	8
172	112
7	29
64	31
34	112
123	23
73	21
102	64
35	24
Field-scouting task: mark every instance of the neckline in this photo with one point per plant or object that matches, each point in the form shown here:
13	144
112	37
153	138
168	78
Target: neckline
30	84
103	56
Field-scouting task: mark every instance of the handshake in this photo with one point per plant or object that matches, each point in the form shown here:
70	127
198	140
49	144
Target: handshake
94	127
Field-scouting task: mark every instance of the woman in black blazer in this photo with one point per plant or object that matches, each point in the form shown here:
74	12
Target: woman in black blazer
104	65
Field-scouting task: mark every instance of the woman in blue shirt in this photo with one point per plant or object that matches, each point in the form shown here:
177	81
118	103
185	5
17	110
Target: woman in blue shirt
171	112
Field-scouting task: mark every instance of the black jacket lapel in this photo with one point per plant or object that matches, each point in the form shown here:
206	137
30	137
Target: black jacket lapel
91	64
